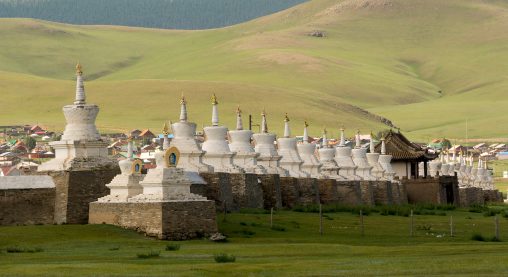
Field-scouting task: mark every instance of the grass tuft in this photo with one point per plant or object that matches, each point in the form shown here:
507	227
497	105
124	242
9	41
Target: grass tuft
173	247
149	255
224	258
18	249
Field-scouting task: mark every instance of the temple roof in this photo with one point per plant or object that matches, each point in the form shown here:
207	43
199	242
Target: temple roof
402	149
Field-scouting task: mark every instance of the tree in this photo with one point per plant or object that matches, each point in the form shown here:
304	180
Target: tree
30	143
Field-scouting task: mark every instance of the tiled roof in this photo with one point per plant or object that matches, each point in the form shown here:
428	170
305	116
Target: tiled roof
402	149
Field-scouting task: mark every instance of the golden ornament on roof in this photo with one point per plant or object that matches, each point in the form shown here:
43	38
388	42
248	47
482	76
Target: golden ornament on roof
286	118
214	100
78	69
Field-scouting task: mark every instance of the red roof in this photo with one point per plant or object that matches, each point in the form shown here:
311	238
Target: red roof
146	132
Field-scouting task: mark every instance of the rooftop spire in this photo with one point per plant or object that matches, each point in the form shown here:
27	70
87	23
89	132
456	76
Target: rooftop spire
183	109
239	124
358	141
80	87
342	138
287	131
371	144
305	132
264	125
383	146
215	112
325	139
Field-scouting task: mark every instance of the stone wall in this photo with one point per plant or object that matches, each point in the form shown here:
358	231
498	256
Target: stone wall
396	197
402	192
493	196
27	206
471	196
174	220
383	192
309	191
218	189
247	191
349	193
270	183
367	190
440	190
328	193
290	192
75	190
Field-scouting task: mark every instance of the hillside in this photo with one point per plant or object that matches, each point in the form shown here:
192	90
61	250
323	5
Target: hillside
425	65
167	14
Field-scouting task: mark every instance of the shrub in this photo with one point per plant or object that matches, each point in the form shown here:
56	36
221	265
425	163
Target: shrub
278	228
17	249
243	223
477	237
151	254
494	239
224	258
172	247
114	248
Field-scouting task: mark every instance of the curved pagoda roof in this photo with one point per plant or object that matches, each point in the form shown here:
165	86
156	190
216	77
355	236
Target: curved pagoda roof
402	149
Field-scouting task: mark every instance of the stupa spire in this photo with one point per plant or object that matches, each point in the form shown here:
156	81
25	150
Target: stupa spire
342	137
454	155
183	109
305	132
371	144
264	125
325	139
383	146
358	141
287	130
130	151
80	87
239	124
215	111
165	132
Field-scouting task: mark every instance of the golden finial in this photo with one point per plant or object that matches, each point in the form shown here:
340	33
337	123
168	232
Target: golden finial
286	118
306	124
165	129
78	69
342	128
325	131
264	112
214	100
182	100
238	111
358	131
130	138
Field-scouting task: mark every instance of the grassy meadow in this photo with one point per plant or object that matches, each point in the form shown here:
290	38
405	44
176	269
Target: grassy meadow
426	65
292	247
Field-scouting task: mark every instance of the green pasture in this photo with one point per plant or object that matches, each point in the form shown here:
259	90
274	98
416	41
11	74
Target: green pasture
292	247
426	65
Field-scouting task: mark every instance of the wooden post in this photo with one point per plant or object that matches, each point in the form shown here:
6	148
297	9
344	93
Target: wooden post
496	220
362	230
271	217
451	225
411	224
225	210
320	220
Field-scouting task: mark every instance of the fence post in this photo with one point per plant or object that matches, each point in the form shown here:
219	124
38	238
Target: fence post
451	225
496	220
320	220
411	224
271	218
361	223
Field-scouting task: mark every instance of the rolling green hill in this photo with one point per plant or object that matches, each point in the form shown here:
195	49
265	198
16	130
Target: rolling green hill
426	65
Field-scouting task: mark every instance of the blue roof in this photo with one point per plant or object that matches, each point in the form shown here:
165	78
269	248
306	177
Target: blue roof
161	136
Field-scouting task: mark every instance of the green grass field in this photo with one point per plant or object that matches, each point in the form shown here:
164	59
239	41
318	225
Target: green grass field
426	65
293	248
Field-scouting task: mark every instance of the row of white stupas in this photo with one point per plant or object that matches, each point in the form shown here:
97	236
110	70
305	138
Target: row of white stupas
468	174
288	159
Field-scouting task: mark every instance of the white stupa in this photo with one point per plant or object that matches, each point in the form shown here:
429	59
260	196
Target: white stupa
329	168
347	167
472	175
373	160
166	182
265	146
126	184
359	156
445	166
480	175
307	152
435	167
216	146
240	143
81	146
386	162
467	171
453	164
290	161
191	154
